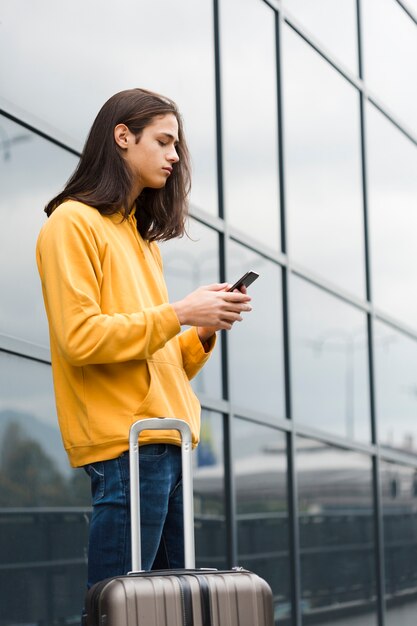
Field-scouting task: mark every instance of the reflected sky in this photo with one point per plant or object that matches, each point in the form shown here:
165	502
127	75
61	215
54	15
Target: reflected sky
330	379
333	24
32	170
150	49
390	53
249	106
396	388
392	193
189	263
411	4
256	371
323	167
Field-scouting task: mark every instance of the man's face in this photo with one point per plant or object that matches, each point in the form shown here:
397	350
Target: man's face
154	156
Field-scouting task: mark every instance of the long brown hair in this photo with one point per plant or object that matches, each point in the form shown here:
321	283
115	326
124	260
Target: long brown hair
103	179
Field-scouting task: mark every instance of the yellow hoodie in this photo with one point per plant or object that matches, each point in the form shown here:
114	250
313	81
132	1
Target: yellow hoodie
117	355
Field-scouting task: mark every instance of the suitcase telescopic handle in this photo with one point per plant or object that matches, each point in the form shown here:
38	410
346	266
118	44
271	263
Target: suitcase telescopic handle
161	423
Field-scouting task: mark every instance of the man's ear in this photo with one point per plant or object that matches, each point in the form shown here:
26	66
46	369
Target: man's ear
121	135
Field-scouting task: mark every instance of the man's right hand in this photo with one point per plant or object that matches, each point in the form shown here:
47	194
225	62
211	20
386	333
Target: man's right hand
212	306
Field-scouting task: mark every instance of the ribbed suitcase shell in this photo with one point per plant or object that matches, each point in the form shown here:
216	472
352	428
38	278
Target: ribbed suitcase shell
235	598
187	597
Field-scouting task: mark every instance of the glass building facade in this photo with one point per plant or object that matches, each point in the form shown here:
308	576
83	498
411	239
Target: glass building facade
301	117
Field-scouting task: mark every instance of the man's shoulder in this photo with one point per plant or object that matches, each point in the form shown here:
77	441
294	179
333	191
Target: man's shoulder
75	210
71	216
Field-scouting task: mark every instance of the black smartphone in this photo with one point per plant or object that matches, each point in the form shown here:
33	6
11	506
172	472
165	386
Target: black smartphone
245	280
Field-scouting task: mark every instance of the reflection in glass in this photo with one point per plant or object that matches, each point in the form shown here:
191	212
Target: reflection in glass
250	135
151	51
323	167
256	372
392	193
333	24
32	170
189	263
336	529
396	389
412	5
399	501
260	466
390	52
209	496
329	363
42	503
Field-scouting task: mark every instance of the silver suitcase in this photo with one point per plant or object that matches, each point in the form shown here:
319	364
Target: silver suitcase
188	597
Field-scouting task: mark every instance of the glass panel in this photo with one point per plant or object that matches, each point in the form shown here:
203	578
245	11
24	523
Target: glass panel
329	363
323	167
390	51
189	263
250	132
256	372
334	24
209	495
396	389
43	514
399	501
392	193
260	466
412	5
151	50
336	535
32	170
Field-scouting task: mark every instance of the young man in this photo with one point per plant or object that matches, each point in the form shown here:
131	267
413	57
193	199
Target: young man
116	348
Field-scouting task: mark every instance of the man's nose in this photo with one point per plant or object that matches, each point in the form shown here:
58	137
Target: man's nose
173	156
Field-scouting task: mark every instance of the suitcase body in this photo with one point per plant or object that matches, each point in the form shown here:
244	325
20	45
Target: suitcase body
189	597
182	598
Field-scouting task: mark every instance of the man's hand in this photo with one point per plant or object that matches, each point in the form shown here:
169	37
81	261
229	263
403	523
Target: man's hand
212	308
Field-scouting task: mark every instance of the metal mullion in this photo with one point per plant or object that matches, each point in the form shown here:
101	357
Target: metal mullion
379	540
25	356
396	456
387	319
335	441
311	40
25	349
255	246
292	487
292	491
399	125
294	552
359	39
260	418
228	425
40	133
355	81
376	486
330	288
407	9
211	221
218	105
376	490
229	481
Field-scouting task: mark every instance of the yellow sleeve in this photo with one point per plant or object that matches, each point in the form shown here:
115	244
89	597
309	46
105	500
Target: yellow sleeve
69	266
194	356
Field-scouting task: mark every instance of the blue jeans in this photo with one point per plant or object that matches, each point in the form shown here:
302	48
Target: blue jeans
162	539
